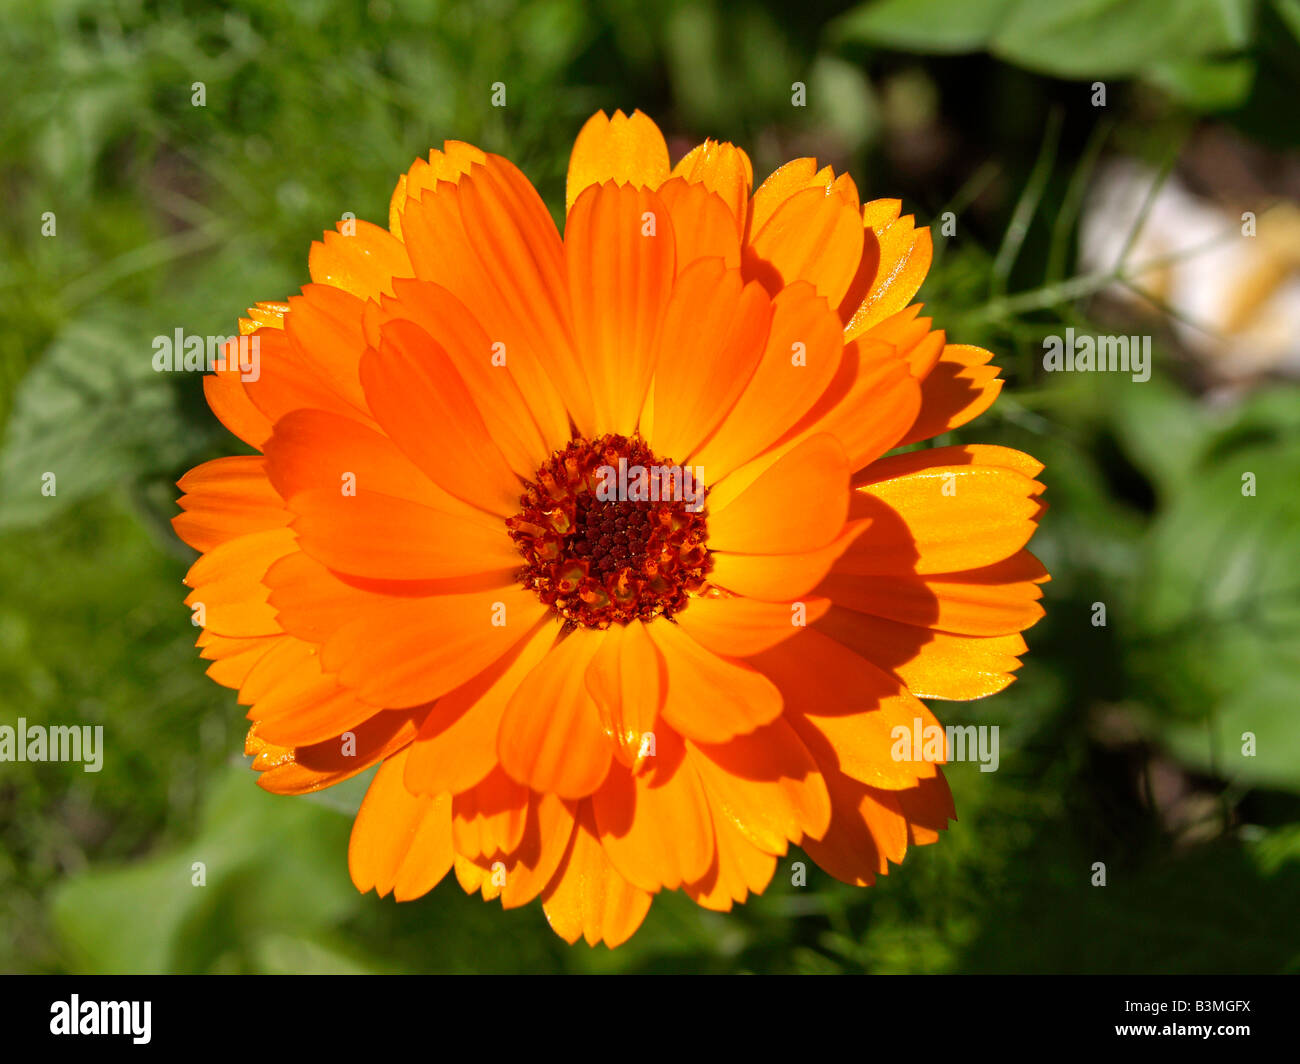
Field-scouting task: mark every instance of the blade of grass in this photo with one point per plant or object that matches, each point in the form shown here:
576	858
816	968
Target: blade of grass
970	191
1026	206
1073	201
1162	175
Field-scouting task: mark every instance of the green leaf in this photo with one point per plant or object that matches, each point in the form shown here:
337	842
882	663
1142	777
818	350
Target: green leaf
1160	427
1263	712
843	102
1289	12
929	26
1206	85
275	870
1117	38
293	955
1219	606
1065	38
92	412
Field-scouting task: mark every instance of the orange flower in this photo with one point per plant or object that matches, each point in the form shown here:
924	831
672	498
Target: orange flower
574	693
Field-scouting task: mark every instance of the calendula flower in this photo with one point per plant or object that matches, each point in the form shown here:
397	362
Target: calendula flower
582	682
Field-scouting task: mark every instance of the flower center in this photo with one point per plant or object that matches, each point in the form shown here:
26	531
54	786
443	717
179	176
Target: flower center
611	533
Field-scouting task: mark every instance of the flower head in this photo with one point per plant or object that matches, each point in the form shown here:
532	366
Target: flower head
593	545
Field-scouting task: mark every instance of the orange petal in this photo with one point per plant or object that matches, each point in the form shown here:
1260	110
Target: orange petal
778	577
229	402
490	241
860	285
867	831
288	378
905	255
289	381
932	664
313	603
310	601
710	698
551	736
295	702
379	536
988	601
324	329
879	747
488	819
879	214
812	236
773	577
360	258
741	627
457	745
869	405
233	659
724	170
319	450
227	580
960	387
797	505
449	164
703	227
474	877
739	868
315	766
627	678
767	784
928	807
802	354
546	840
403	652
263	315
792	178
488	374
621	149
226	498
846	709
279	664
655	825
400	842
587	897
943	510
423	405
619	250
912	339
816	674
710	342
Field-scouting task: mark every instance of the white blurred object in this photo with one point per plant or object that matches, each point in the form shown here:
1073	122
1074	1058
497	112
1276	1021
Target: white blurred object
1235	298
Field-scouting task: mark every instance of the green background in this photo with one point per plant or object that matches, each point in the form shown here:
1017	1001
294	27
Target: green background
1119	744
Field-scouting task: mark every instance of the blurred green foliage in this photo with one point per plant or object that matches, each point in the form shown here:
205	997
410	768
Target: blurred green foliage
1120	744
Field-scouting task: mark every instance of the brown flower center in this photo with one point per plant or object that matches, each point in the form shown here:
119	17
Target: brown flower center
611	533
